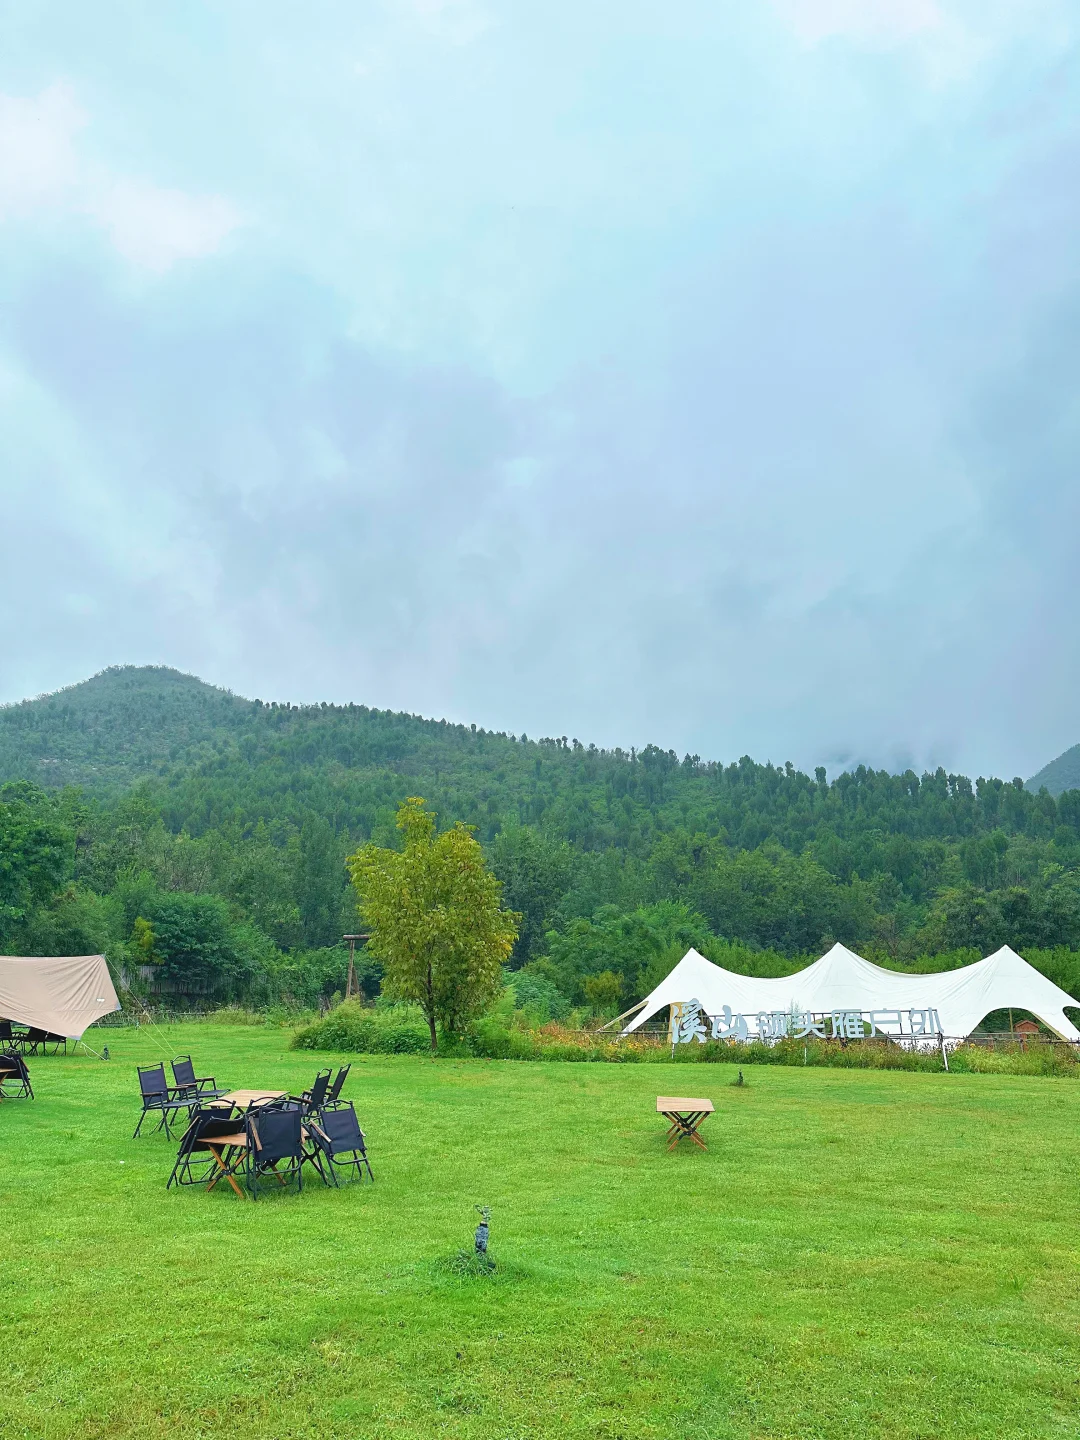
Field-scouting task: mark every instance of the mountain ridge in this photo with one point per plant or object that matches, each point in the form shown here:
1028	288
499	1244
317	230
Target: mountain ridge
191	789
1059	775
130	723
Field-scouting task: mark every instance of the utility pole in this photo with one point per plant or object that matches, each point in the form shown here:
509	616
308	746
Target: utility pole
352	985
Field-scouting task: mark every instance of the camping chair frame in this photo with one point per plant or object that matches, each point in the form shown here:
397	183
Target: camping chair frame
333	1097
12	1040
160	1098
195	1088
275	1145
337	1133
13	1071
196	1163
35	1039
312	1100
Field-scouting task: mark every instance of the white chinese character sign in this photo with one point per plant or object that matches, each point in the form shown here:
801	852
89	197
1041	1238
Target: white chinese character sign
689	1022
727	1026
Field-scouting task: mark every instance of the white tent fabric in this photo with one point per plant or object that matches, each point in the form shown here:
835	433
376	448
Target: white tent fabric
59	993
842	980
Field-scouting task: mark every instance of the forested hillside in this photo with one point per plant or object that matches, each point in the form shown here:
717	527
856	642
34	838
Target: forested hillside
202	837
123	725
1060	775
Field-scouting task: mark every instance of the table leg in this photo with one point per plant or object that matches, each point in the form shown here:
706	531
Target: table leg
684	1127
223	1171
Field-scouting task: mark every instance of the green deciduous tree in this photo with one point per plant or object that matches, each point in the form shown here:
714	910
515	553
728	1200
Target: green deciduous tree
614	959
436	920
37	852
535	872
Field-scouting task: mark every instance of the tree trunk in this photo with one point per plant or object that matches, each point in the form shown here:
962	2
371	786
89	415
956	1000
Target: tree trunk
429	1011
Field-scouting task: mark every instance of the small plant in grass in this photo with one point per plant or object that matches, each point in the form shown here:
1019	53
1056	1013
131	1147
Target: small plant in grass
468	1265
475	1262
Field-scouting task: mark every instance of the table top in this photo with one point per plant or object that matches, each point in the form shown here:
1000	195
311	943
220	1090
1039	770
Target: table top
679	1104
244	1099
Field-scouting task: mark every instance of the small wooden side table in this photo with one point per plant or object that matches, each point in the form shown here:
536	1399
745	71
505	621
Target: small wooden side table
684	1116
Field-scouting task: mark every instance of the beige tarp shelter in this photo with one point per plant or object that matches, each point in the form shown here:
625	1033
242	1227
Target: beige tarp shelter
59	993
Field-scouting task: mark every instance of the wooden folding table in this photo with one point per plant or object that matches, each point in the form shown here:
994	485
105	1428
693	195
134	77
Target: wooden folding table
217	1147
684	1116
239	1100
244	1099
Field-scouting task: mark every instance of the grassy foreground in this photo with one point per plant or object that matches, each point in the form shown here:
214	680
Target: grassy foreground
859	1253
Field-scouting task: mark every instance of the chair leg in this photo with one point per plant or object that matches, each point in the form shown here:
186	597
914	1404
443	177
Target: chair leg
313	1158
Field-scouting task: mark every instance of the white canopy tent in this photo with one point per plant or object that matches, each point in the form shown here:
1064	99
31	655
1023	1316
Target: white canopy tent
842	980
62	994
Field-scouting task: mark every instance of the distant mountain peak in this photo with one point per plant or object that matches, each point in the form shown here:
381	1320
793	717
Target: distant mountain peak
1060	775
126	723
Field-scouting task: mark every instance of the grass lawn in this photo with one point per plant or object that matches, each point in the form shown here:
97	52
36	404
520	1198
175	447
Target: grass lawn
860	1253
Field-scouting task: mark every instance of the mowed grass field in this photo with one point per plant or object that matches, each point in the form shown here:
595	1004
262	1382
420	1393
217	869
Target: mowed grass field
858	1254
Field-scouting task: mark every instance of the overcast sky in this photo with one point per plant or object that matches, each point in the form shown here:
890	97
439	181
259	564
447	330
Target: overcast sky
703	373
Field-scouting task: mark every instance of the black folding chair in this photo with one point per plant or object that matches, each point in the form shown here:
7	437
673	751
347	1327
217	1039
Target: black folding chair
202	1152
275	1146
10	1038
336	1134
36	1039
313	1098
194	1088
13	1073
158	1098
333	1095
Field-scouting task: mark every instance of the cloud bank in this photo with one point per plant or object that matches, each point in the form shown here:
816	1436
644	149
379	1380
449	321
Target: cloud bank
42	172
699	378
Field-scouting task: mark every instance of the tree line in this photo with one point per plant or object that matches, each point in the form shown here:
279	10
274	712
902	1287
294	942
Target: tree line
213	847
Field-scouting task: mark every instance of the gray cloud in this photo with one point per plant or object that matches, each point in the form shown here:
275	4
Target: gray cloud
792	474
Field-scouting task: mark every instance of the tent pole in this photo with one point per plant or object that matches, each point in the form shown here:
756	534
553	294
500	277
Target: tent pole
632	1011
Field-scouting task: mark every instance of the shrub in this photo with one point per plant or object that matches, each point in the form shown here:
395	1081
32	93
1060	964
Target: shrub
539	997
1032	1059
392	1030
